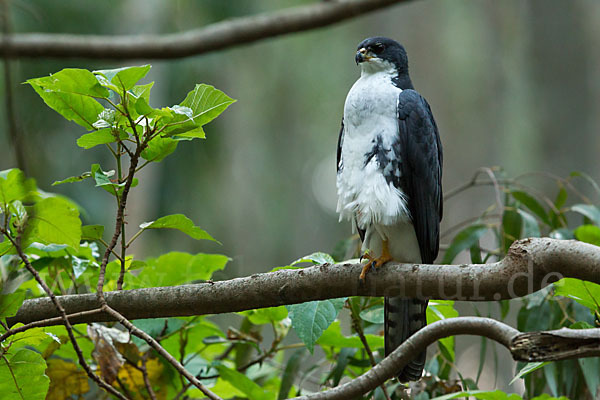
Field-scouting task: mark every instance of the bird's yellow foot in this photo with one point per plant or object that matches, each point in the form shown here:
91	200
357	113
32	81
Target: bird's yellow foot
375	262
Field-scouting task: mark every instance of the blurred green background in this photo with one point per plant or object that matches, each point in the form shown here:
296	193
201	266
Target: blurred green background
512	83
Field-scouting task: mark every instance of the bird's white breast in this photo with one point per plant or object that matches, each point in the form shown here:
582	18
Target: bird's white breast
363	192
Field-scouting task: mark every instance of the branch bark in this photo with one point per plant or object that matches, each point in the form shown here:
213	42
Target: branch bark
213	37
530	265
538	350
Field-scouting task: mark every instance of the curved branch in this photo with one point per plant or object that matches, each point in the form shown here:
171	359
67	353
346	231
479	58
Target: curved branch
217	36
530	265
490	328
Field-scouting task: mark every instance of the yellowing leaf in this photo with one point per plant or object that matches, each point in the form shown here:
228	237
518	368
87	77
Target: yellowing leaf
66	379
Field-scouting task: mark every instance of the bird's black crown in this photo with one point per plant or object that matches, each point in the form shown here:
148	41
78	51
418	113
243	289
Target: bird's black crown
387	49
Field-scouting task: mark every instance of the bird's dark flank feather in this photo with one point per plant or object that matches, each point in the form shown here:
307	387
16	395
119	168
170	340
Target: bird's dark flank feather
407	154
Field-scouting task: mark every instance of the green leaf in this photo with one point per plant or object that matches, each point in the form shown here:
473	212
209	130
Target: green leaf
102	179
158	148
530	202
176	268
92	232
333	337
179	222
315	258
102	136
292	367
22	376
10	303
438	310
142	91
530	224
122	78
374	315
206	103
31	337
71	93
53	220
562	234
511	227
244	384
464	240
588	211
585	293
481	395
589	234
14	186
528	368
266	315
73	179
310	319
590	367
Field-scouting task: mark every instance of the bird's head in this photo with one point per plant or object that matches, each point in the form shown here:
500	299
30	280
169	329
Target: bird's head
381	53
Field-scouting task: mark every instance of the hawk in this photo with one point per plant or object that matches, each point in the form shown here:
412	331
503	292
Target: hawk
389	178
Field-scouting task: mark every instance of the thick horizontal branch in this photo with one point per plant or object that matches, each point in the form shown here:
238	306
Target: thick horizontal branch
530	265
539	350
217	36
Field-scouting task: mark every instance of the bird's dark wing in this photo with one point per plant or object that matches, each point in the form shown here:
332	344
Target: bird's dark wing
421	170
417	171
340	165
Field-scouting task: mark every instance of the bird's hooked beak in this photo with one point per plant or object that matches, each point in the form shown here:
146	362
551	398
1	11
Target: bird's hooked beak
362	55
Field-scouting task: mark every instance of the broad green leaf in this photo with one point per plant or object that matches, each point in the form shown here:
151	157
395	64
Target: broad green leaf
73	179
196	133
585	293
315	258
31	337
206	103
142	91
53	220
158	148
244	384
551	373
528	368
179	222
481	395
333	337
374	315
121	79
102	136
71	93
588	211
176	268
14	186
157	327
530	224
92	232
22	376
589	234
561	197
530	202
10	303
266	315
310	319
464	240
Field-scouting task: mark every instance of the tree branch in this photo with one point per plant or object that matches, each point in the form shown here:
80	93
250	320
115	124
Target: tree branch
213	37
537	350
530	265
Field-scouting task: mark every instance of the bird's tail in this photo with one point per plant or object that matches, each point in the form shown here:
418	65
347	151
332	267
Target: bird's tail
403	317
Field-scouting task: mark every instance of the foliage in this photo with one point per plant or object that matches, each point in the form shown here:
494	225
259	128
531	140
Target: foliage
339	336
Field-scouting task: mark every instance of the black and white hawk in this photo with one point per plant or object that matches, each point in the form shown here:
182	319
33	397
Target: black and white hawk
389	178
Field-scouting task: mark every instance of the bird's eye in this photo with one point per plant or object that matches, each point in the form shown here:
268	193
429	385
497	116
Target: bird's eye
377	48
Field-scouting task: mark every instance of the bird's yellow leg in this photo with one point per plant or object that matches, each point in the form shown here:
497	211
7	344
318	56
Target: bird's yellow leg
376	262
